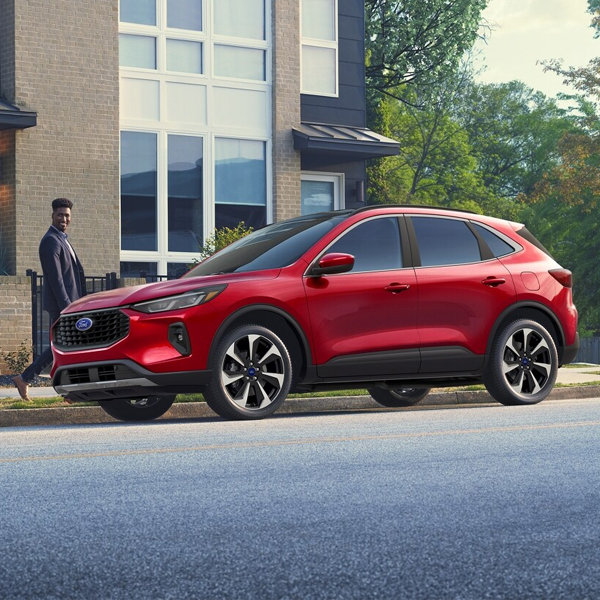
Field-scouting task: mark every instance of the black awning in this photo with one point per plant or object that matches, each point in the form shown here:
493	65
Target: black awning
12	117
356	142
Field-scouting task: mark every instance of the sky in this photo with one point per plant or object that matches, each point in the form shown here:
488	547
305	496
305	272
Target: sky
527	31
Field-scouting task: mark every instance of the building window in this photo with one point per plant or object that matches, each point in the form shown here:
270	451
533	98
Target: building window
184	14
138	191
240	18
138	51
320	192
195	117
242	63
146	270
240	182
319	51
184	56
142	12
185	181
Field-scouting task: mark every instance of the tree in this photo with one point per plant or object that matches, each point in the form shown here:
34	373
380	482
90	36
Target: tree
564	204
435	165
594	10
513	131
420	42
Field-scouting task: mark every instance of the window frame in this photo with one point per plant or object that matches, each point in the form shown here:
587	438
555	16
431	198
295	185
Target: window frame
484	251
338	180
403	238
325	44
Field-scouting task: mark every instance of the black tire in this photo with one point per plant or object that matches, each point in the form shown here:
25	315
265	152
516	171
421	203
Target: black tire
523	364
252	374
141	409
406	396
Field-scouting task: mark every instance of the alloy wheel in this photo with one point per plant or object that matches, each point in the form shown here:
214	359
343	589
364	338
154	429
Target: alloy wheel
253	371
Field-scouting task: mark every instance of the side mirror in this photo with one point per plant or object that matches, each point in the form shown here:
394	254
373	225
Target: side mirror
333	263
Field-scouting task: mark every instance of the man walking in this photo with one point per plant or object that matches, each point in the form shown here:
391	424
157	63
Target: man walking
64	282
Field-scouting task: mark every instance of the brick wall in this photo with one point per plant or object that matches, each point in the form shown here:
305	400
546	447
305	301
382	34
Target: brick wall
286	108
65	68
15	315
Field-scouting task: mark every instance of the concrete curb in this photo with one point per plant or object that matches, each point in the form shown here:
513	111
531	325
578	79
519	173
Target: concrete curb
79	415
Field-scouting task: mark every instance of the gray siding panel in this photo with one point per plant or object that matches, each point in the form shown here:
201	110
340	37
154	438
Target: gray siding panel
350	107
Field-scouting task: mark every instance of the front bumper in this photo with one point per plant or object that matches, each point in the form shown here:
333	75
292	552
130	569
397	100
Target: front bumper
123	380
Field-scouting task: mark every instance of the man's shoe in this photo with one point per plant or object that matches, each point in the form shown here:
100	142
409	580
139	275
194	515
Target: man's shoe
22	386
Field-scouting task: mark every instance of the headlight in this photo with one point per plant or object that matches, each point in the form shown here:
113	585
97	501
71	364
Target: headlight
187	300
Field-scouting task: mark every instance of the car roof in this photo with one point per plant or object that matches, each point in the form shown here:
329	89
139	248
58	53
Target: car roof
417	207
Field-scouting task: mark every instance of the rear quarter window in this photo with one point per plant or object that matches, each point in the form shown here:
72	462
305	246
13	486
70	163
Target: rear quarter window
496	244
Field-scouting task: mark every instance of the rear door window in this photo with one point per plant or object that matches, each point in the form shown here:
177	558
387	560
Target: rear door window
445	241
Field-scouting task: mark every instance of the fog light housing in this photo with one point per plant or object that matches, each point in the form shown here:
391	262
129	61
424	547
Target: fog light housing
179	339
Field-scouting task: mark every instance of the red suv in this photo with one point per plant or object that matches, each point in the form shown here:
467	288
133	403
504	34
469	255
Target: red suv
395	299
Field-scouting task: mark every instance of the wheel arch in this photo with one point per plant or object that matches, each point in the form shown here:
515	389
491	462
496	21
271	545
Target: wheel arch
279	322
534	311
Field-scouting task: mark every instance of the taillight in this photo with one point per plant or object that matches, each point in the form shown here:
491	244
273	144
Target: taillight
563	276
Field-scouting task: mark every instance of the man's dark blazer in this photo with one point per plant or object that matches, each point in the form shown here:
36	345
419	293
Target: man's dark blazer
64	279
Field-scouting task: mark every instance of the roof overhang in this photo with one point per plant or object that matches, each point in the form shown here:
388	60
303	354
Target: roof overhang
12	117
354	142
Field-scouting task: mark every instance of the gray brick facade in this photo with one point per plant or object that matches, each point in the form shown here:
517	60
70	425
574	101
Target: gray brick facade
70	77
15	315
286	108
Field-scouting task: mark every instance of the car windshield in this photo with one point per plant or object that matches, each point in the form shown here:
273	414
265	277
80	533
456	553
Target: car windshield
272	247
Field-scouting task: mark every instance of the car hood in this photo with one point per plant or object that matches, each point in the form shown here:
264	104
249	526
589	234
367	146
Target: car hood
150	291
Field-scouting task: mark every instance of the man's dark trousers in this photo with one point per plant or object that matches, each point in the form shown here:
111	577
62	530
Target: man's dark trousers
43	360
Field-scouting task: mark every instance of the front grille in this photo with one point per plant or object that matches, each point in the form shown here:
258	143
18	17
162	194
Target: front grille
107	327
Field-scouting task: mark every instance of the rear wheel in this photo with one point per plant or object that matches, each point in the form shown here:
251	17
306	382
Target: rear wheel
397	397
252	374
141	409
523	364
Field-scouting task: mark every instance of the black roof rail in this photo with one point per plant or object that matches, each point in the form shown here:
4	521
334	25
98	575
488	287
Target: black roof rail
372	206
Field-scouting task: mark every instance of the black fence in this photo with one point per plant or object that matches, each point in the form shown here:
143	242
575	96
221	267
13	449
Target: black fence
40	326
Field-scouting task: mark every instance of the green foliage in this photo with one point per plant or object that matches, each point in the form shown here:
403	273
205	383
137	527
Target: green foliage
436	165
17	361
223	237
420	42
594	10
563	207
571	235
513	132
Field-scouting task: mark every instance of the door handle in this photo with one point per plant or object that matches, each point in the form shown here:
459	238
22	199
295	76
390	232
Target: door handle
396	288
493	281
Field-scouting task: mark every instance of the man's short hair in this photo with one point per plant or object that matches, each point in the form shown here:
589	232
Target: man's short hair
61	203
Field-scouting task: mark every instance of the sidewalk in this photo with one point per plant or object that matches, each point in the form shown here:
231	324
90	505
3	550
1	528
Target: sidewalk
581	379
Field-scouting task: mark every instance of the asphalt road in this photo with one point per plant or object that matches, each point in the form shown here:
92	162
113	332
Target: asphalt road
470	503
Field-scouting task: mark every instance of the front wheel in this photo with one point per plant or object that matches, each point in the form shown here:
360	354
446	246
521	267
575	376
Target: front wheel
141	409
252	374
523	364
398	397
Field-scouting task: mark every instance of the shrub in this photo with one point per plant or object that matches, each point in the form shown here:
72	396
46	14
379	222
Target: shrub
223	237
17	361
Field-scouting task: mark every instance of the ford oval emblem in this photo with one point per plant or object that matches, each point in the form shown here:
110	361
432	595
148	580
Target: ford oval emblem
84	324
